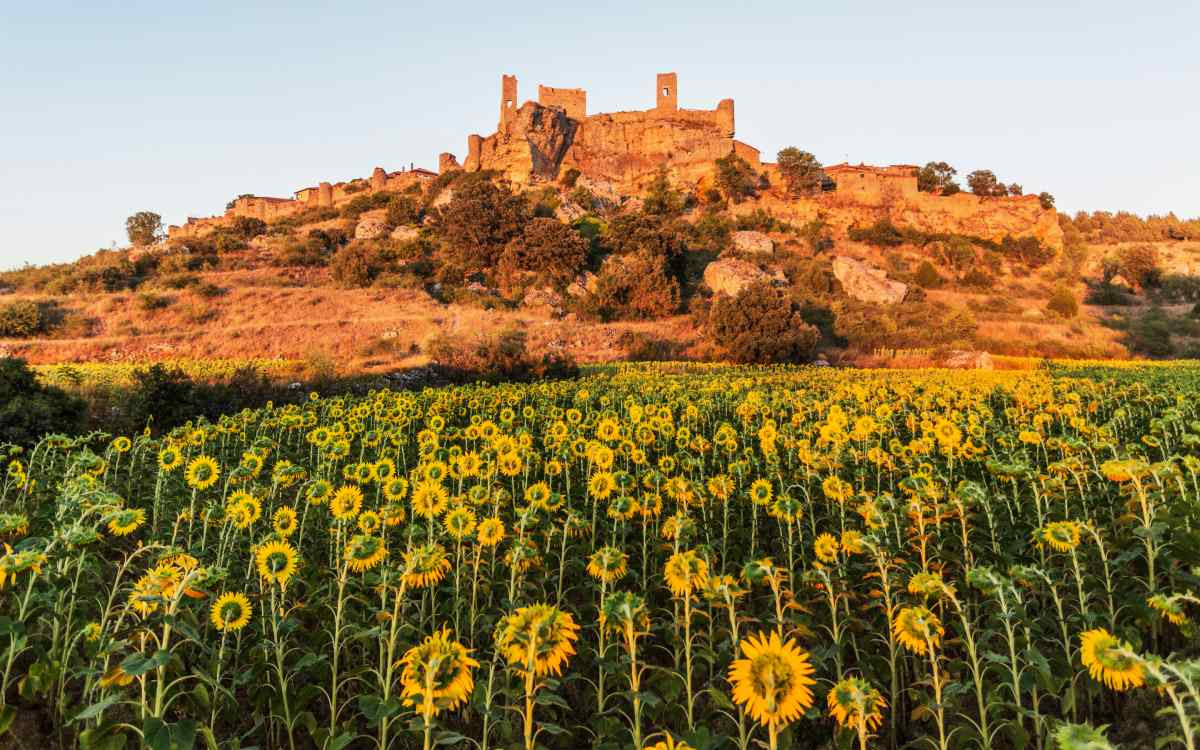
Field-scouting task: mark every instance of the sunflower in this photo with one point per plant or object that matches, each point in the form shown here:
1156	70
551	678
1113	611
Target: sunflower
601	485
429	498
284	521
928	584
14	563
1063	536
152	589
491	532
837	489
1124	470
116	677
917	629
320	491
459	523
364	552
510	463
169	458
539	638
761	492
369	522
853	701
425	565
346	502
126	521
393	514
230	612
607	564
685	572
826	548
1170	607
395	489
852	542
277	562
437	675
669	743
1110	661
772	680
202	473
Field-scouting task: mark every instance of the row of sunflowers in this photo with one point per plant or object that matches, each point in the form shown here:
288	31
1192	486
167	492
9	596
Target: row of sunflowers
651	557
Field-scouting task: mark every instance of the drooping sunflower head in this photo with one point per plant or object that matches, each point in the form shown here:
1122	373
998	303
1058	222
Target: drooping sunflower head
1123	470
1169	607
1063	536
202	472
364	552
685	572
277	561
230	612
917	629
1110	661
127	521
425	565
320	491
607	564
928	584
491	531
284	521
852	701
626	613
459	523
346	502
837	489
826	547
669	743
539	638
153	589
437	674
772	680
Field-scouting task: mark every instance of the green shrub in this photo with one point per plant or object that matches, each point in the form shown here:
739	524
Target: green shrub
1140	265
149	301
21	319
883	233
1176	288
1063	302
978	279
494	357
635	286
550	250
927	276
762	324
1150	333
1108	294
29	410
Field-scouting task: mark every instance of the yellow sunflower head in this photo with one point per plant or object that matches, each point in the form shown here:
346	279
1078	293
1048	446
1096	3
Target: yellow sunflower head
202	472
425	565
437	674
539	638
685	572
346	502
607	564
1110	661
853	702
230	612
772	680
364	552
491	532
277	562
1063	536
917	629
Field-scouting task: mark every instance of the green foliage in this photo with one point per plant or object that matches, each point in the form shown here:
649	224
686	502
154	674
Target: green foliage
552	251
1150	333
927	277
883	233
247	227
1046	200
633	286
802	173
144	228
1175	288
1140	265
480	220
937	177
817	236
984	184
21	319
661	199
1104	227
762	324
29	410
1026	250
495	357
910	324
1063	302
735	178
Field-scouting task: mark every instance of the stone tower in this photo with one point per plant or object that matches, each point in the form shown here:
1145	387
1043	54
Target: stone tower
508	99
667	92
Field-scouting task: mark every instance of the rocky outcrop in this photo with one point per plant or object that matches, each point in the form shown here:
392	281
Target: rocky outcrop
748	242
530	146
967	360
369	229
405	233
731	275
867	284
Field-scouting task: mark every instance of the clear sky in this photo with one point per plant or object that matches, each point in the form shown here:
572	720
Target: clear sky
111	108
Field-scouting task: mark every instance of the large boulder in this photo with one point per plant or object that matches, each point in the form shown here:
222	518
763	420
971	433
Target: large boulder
543	299
369	229
404	233
866	283
748	242
967	360
731	275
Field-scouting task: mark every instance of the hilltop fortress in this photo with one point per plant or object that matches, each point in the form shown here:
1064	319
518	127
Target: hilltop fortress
616	154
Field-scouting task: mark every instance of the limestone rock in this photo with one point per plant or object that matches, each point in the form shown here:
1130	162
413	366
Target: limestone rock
585	284
543	298
966	360
731	275
866	283
752	243
405	233
369	229
569	212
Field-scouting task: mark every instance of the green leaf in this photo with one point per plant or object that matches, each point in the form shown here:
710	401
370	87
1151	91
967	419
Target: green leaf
6	718
450	738
137	665
96	709
156	734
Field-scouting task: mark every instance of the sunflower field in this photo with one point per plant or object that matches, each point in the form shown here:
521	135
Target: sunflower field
654	556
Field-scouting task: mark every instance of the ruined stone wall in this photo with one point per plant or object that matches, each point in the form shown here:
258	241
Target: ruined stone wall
873	185
572	101
508	99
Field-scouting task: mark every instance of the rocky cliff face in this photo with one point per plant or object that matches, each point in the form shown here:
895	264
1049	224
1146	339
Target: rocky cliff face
531	146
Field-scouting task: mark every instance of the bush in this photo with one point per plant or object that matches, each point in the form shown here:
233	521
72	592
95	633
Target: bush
479	221
927	276
634	286
248	227
817	235
911	324
656	236
21	319
1150	333
1063	302
149	301
1107	294
762	324
361	262
735	178
29	410
1140	265
1027	250
883	233
551	250
802	173
499	356
1177	288
978	279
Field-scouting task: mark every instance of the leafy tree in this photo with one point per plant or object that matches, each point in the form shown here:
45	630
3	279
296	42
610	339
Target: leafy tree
927	276
661	199
20	319
655	235
1063	302
802	173
634	286
1046	200
29	409
983	183
1140	265
937	177
762	324
735	178
555	251
247	227
479	221
144	228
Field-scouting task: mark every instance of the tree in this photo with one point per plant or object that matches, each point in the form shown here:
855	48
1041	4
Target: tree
1015	189
29	410
634	286
479	221
801	171
983	183
1046	200
144	228
735	178
547	247
661	199
762	324
937	177
1140	265
1063	302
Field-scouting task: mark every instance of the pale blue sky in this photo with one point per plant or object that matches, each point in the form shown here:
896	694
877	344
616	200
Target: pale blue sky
111	108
